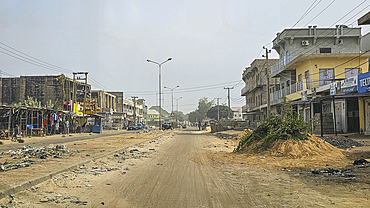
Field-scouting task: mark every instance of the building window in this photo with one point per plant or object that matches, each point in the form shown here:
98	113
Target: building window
352	72
325	50
300	83
307	76
326	76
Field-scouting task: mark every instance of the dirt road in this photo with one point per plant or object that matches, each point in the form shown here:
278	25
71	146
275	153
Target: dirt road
180	170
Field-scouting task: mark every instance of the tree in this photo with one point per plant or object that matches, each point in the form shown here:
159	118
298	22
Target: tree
194	116
213	112
203	106
179	115
201	113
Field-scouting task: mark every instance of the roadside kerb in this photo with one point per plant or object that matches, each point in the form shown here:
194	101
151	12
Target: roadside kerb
41	179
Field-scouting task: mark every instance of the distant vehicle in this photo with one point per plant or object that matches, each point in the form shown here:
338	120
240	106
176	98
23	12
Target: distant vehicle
139	126
166	126
132	127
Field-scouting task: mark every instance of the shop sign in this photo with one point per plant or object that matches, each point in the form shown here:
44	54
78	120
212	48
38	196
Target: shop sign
348	85
363	82
333	88
304	96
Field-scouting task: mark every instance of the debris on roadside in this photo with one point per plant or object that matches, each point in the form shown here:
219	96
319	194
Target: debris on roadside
361	163
341	142
26	156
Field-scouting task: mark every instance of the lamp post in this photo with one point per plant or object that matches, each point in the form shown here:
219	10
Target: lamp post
160	93
172	89
177	113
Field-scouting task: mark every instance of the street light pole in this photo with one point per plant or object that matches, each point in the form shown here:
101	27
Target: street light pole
160	87
172	89
177	104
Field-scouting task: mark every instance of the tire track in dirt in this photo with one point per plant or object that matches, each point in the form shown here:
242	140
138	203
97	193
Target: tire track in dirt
180	176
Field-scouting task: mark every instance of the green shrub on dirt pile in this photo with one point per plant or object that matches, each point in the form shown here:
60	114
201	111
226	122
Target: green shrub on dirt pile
286	125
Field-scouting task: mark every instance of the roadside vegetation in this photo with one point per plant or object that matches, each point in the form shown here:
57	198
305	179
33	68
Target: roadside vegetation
286	125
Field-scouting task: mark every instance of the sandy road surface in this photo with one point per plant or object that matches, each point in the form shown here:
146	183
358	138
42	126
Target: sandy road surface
178	170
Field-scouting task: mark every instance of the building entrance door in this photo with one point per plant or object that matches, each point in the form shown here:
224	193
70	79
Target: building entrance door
353	120
367	113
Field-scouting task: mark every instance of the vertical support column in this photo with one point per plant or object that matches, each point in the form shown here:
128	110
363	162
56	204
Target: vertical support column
84	110
321	119
74	91
335	119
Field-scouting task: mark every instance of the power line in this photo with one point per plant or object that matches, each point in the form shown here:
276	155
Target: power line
307	12
299	51
35	61
320	12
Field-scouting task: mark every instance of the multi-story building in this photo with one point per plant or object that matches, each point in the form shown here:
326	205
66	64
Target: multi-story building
364	101
153	117
119	101
105	102
238	113
255	90
54	89
311	59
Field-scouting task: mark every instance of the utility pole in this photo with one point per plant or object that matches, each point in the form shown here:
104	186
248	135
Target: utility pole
85	95
73	89
85	88
218	109
228	99
134	97
268	80
1	88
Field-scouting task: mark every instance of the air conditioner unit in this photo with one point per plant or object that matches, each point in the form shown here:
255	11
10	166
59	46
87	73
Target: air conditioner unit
305	42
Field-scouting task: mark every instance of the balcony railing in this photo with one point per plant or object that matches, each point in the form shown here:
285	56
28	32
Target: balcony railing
279	66
277	95
244	90
248	107
299	86
294	88
288	90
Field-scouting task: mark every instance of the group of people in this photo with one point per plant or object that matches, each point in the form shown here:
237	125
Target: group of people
200	126
56	124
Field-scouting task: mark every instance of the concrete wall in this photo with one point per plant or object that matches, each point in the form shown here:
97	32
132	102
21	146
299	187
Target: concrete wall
365	42
291	40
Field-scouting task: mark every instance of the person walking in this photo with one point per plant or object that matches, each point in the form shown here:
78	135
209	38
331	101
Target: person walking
16	131
67	127
199	125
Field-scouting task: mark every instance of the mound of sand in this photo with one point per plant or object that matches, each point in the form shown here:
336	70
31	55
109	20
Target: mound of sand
314	146
242	134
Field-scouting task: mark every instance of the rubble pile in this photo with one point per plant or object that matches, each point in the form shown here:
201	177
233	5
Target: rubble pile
342	142
333	172
24	157
361	163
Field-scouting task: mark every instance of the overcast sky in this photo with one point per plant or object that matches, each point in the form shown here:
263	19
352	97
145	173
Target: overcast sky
210	42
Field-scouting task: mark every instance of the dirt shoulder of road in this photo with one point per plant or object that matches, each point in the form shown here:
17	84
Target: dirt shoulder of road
228	178
332	174
75	153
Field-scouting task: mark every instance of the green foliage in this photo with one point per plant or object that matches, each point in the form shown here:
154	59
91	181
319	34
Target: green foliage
49	105
224	112
286	125
30	102
194	116
201	113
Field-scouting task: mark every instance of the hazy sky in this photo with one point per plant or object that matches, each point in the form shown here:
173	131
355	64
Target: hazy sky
211	42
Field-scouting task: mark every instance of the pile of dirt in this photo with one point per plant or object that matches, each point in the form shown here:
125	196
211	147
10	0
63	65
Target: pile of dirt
242	134
314	146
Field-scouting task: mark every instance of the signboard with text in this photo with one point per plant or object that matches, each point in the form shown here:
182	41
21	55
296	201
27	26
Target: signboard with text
363	82
348	85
